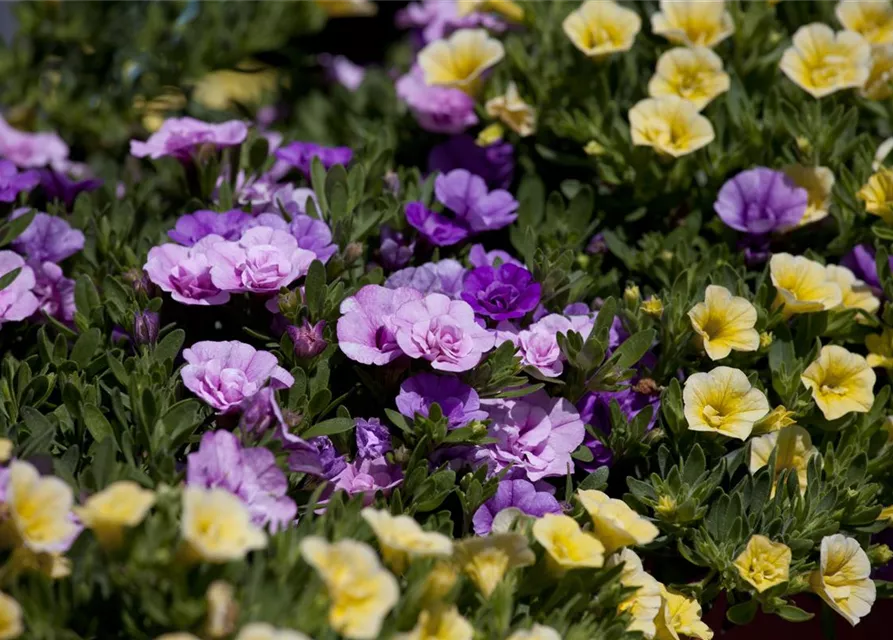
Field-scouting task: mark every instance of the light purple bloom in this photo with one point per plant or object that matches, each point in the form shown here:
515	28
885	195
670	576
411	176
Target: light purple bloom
495	163
396	248
436	228
262	261
367	476
313	235
66	180
47	239
31	150
343	71
307	339
250	474
300	155
180	137
595	410
480	257
436	19
443	277
185	272
12	183
501	293
761	200
224	374
861	261
259	413
467	196
373	438
55	292
293	200
533	499
192	227
366	327
17	300
437	109
458	402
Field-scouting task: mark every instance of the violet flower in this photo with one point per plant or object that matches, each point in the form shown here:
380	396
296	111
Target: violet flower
761	200
181	137
436	228
366	327
17	299
861	261
443	277
31	150
307	339
192	227
373	438
532	499
437	109
313	235
47	239
55	292
300	155
66	181
538	344
185	272
343	71
396	248
436	19
12	182
595	410
480	257
316	456
501	293
494	163
145	327
468	197
459	403
367	476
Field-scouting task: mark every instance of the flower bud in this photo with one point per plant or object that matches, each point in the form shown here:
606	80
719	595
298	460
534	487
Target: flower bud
307	339
392	182
653	307
597	244
631	295
353	251
145	327
139	280
879	555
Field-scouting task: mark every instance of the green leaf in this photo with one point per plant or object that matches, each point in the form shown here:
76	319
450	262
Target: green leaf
86	346
9	277
743	612
794	614
41	432
86	297
97	424
328	427
169	346
597	480
315	288
14	227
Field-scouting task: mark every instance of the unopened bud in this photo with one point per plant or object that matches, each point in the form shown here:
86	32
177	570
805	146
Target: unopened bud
766	339
631	295
307	339
593	148
288	303
353	251
145	327
222	609
597	244
392	182
138	280
879	555
646	386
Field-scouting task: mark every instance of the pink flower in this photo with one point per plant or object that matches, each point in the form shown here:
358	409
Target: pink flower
437	109
442	331
261	261
179	137
17	300
55	292
366	328
538	344
31	149
185	272
367	476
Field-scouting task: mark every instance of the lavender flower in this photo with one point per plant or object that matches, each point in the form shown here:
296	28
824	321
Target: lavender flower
181	137
761	200
31	150
192	227
307	339
316	456
373	438
17	300
436	19
366	327
67	180
367	476
436	228
494	163
396	248
145	327
532	499
300	155
343	71
185	272
12	183
861	261
480	257
437	109
47	239
262	261
467	196
501	293
313	235
595	410
538	344
55	292
459	403
443	277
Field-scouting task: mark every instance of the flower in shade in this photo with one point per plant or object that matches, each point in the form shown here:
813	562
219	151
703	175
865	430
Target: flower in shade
31	150
777	419
444	277
216	526
841	382
436	108
145	327
458	402
402	539
842	578
54	292
342	71
802	284
761	200
436	19
262	261
644	604
300	155
366	328
670	125
873	19
568	546
17	299
185	272
307	339
880	349
724	323
460	60
536	632
396	248
436	228
373	438
879	85
47	239
467	196
511	109
123	504
180	137
595	410
192	227
693	74
13	182
821	62
723	401
693	23
480	257
599	28
680	616
614	523
495	163
856	294
818	182
486	560
763	563
11	625
66	180
501	293
793	449
532	499
224	374
39	510
877	194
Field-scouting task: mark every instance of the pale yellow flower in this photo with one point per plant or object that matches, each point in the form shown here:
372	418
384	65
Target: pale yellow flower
763	563
402	538
879	85
880	349
775	420
568	546
694	23
593	148
121	504
222	609
694	74
40	516
821	62
156	111
487	559
536	632
842	578
670	125
599	28
873	19
614	523
246	85
440	624
802	284
724	323
818	182
723	401
506	8
5	449
680	616
348	8
11	625
877	194
490	134
793	447
511	109
460	60
217	527
653	307
856	294
264	631
841	382
643	605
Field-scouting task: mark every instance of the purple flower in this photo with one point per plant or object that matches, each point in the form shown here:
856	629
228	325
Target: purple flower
595	410
192	227
443	332
17	300
259	413
67	180
437	109
180	137
467	196
535	435
55	292
459	403
396	248
501	293
31	150
12	183
145	327
366	327
316	456
343	71
262	261
761	200
185	272
313	235
533	499
436	228
373	438
494	163
47	239
479	257
300	155
307	339
861	261
224	374
597	244
250	474
436	19
443	277
367	476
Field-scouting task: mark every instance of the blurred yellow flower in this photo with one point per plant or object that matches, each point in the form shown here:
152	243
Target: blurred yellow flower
880	349
671	125
487	559
841	382
879	85
694	23
593	148
506	8
842	578
490	134
856	294
723	401
246	85
644	604
178	635
599	28
567	545
264	631
793	447
821	62
516	114
5	449
217	527
680	616
121	504
724	323
156	111
873	19
763	563
402	538
802	284
614	523
818	182
440	624
460	60
348	8
777	419
39	508
693	74
11	625
536	632
877	194
440	581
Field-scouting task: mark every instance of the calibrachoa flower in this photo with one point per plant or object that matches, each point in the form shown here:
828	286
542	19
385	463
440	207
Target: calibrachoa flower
855	293
262	261
538	345
536	632
599	28
763	563
880	349
614	523
879	85
495	162
54	292
761	200
402	539
680	616
821	62
501	293
11	625
511	109
644	604
724	323
66	180
366	476
224	374
568	546
841	382
216	526
342	71
486	560
436	108
396	248
264	631
185	272
444	277
793	450
436	19
366	328
373	438
693	23
31	150
877	194
440	623
873	19
818	182
480	257
460	60
861	261
802	284
180	137
192	227
458	402
13	182
842	578
123	504
532	499
670	125
47	239
307	340
436	228
694	74
17	299
300	155
723	401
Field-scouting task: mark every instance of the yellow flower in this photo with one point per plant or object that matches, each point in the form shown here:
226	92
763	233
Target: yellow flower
264	631
643	605
886	514
516	114
879	85
599	28
841	382
217	527
724	323
842	578
856	294
775	420
39	508
694	74
402	538
11	625
723	401
818	182
680	616
536	632
764	563
222	609
362	592
880	349
122	504
440	624
614	523
54	566
487	559
440	581
506	8
156	110
671	125
348	8
246	85
490	134
694	23
877	194
460	60
821	62
653	307
5	449
766	338
567	545
793	447
802	284
873	19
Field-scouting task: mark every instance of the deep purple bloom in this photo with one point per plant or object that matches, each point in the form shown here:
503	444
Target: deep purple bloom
47	239
532	499
435	227
185	272
307	339
494	163
55	292
300	155
595	410
468	197
458	402
145	327
17	300
67	181
480	257
373	438
436	19
761	200
443	277
192	227
316	456
180	137
343	71
262	261
437	109
366	327
501	293
396	248
861	261
12	183
31	150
